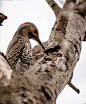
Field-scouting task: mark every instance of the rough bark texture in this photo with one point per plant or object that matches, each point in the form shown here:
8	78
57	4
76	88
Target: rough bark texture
56	9
5	75
52	71
67	2
5	71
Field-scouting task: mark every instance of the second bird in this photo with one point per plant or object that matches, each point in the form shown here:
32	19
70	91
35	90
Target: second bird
19	51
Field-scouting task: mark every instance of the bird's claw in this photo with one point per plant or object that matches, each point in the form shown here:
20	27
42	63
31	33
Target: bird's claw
20	72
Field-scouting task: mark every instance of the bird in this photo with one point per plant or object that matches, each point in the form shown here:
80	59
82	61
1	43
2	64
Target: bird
19	51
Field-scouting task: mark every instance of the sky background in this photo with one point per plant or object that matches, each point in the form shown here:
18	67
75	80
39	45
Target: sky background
39	12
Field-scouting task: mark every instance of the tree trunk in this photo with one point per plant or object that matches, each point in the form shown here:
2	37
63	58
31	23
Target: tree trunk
53	70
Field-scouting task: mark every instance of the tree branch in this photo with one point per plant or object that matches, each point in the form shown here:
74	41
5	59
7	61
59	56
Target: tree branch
67	3
54	6
2	17
74	88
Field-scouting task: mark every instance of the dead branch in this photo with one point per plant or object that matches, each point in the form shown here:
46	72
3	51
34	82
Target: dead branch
2	17
54	6
67	2
74	88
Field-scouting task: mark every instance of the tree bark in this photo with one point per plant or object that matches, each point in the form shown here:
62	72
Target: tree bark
53	70
68	1
5	75
54	6
56	9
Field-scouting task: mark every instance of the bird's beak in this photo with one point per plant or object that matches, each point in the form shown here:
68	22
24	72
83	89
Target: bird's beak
37	39
40	43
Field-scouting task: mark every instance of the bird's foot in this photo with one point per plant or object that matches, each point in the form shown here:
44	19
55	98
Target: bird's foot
19	71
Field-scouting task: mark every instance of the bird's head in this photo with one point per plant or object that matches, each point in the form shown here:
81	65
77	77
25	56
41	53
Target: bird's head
29	31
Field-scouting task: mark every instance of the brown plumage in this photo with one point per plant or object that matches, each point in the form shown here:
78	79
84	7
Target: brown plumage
19	51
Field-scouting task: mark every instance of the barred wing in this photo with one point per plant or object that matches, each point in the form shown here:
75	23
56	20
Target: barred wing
14	50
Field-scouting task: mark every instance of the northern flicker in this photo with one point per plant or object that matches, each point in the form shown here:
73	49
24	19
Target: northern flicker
19	51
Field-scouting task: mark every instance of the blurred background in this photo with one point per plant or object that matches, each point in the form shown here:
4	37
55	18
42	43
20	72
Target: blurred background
40	13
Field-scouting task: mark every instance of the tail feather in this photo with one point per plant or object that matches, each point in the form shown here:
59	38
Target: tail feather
1	53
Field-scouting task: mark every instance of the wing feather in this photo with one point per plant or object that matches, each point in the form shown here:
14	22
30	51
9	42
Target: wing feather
14	49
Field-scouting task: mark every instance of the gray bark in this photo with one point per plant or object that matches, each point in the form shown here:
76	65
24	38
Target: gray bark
52	71
67	2
56	9
54	6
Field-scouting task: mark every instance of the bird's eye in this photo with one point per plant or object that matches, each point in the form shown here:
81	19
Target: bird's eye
35	31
